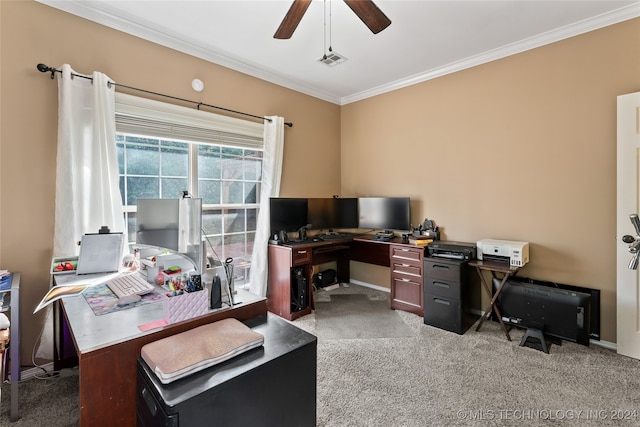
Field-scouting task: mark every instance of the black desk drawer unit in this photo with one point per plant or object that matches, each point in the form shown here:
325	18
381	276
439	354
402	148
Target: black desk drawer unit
274	385
451	289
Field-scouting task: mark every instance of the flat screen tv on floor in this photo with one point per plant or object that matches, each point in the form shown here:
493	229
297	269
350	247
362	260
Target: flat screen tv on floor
558	313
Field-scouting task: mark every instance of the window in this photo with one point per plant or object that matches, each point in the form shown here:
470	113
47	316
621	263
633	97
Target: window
162	153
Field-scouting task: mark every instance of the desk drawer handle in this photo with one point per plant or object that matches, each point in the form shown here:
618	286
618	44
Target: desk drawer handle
443	267
149	401
404	250
405	280
441	284
302	252
405	265
441	301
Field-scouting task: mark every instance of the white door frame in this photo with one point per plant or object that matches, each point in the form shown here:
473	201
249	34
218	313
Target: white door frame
628	202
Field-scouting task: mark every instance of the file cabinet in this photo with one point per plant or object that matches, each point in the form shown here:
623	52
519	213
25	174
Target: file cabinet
232	393
451	293
407	278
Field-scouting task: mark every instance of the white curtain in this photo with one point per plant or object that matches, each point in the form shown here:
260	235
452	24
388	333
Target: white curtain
271	173
87	183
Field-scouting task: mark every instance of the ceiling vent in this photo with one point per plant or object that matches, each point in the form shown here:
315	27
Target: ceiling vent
332	59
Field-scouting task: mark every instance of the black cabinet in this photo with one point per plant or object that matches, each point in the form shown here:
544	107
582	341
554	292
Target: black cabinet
274	385
451	294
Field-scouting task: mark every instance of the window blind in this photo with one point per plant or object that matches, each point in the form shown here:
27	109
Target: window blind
147	117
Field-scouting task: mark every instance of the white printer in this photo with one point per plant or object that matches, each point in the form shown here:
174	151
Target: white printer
507	251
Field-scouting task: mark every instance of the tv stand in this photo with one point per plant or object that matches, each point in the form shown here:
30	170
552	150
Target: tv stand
494	267
533	333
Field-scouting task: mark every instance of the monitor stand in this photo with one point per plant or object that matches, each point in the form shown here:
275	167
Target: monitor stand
536	334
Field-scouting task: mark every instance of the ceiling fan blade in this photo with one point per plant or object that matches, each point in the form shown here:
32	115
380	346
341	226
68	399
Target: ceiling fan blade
369	13
292	19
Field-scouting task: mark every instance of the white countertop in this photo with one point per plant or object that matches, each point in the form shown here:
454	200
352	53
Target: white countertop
92	332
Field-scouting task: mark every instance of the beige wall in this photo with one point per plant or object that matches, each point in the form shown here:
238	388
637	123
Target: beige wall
31	33
522	148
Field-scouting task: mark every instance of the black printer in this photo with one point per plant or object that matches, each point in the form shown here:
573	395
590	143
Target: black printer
452	250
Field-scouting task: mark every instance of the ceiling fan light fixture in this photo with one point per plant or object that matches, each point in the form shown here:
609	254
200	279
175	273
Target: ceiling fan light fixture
366	10
332	59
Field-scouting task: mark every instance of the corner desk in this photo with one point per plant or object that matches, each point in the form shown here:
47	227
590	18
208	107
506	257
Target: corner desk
404	260
108	346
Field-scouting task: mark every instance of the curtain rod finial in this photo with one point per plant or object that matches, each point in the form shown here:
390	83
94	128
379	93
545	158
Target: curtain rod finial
43	68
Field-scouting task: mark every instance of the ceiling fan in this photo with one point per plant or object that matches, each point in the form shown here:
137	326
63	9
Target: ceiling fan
366	10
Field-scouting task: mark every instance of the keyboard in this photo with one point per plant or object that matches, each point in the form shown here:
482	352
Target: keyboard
129	285
335	236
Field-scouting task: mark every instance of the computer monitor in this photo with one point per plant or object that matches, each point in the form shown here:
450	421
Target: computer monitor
288	214
384	213
330	212
321	213
174	224
347	213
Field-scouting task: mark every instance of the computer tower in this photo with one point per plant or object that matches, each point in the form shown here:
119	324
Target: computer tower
299	290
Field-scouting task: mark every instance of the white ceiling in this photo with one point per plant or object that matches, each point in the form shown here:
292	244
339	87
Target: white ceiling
426	38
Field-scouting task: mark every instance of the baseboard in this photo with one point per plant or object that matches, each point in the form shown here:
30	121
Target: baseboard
600	343
369	285
605	344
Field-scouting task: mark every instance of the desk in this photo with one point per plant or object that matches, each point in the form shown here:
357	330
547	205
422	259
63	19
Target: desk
108	346
404	260
494	267
282	260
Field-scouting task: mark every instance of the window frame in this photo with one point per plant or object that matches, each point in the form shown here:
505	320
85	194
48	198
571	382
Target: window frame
178	123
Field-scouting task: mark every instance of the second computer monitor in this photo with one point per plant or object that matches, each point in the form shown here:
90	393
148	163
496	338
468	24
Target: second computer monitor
330	213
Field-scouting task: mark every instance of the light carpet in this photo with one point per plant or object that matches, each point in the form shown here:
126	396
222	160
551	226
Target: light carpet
357	316
439	378
431	378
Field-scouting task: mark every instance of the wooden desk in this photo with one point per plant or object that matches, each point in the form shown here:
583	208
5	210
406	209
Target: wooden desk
494	267
108	347
406	270
282	260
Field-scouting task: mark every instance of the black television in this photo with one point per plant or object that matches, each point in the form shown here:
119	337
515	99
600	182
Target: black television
330	213
384	213
557	313
288	214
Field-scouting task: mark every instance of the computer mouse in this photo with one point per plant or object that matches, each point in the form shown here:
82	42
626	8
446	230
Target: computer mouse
129	299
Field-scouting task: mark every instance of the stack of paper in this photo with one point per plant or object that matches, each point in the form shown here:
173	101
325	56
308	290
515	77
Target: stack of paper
5	280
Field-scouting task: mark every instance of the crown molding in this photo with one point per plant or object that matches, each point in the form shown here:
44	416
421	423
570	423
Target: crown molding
108	18
614	17
101	15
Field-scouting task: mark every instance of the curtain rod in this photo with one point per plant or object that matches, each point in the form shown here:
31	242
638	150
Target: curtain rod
46	69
